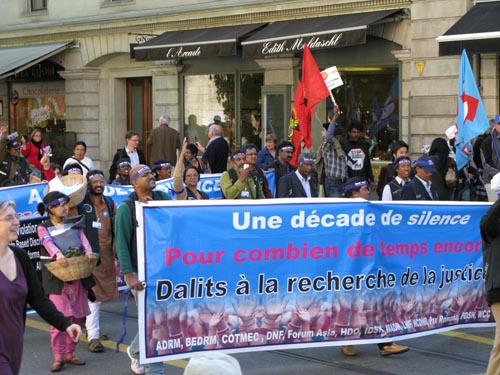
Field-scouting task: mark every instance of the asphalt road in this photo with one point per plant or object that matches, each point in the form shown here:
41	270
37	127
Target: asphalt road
461	352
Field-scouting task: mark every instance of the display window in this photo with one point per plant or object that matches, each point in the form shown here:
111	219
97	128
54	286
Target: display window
234	97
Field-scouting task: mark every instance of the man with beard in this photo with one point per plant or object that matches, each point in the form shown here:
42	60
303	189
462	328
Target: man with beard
358	155
99	212
143	181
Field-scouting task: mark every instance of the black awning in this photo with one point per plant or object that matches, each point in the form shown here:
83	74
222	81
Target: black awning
216	41
478	31
322	32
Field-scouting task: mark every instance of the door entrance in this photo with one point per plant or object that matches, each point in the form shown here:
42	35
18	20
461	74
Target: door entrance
139	109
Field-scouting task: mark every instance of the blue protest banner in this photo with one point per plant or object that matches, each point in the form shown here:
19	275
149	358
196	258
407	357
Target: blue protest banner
28	196
265	275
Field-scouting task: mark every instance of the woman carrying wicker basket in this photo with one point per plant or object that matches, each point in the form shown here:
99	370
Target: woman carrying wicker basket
60	236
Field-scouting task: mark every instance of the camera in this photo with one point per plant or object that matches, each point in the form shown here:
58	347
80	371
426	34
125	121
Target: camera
47	151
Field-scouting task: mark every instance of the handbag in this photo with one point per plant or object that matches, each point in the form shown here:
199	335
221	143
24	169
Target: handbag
451	178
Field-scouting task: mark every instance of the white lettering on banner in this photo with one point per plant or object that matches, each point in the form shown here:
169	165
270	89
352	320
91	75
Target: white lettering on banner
169	344
297	44
179	52
34	197
203	340
317	42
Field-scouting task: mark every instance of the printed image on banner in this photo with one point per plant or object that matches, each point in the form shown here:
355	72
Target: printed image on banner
296	274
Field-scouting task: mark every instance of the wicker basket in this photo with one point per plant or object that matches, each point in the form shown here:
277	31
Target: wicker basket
71	180
78	268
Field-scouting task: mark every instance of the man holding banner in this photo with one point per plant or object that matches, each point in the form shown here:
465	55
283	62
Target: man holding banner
143	181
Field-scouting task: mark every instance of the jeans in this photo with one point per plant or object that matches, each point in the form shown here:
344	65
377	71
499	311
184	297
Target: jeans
151	368
334	187
494	362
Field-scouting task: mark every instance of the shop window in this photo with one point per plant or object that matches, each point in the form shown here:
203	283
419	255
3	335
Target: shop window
251	130
370	96
38	105
38	5
206	96
238	103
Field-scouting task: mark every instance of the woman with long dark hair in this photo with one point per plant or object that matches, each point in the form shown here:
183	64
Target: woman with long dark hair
440	153
186	189
33	150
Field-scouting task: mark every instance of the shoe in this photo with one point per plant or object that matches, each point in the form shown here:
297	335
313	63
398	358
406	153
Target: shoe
393	348
348	350
103	337
57	365
72	360
135	366
95	346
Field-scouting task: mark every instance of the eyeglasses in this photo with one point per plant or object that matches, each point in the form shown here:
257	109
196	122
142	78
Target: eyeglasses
9	218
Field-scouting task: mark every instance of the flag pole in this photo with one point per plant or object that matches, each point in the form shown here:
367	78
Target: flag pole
333	99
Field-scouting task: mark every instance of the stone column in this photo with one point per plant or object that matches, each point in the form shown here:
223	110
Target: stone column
165	96
82	110
279	71
404	56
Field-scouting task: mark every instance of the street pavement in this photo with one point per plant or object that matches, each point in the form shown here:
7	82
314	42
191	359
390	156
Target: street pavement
461	352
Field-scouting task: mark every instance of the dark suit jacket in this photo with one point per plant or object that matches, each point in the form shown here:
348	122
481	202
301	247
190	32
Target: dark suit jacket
289	186
415	191
122	153
216	155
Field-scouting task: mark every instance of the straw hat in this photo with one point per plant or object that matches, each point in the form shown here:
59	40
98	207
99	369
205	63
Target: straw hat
73	185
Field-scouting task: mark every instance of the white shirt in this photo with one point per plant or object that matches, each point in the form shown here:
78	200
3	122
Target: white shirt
427	186
86	161
387	193
305	183
134	157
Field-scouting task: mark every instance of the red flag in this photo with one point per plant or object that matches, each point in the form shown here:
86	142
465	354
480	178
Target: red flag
294	129
315	91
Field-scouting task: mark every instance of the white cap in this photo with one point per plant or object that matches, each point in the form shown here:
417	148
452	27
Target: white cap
495	183
451	132
212	363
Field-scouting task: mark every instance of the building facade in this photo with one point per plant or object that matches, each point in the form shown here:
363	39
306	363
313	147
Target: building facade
93	70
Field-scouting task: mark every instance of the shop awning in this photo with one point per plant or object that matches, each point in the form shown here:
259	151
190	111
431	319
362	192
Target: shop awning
478	31
216	41
323	32
16	59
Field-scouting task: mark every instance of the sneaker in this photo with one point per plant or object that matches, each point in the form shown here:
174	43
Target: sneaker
135	366
95	346
393	348
348	350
